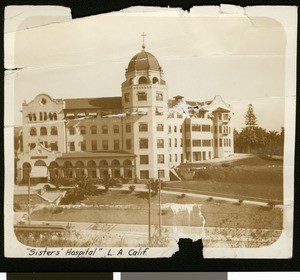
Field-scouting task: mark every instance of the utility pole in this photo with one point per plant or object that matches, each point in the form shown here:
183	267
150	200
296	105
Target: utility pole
149	221
29	218
159	202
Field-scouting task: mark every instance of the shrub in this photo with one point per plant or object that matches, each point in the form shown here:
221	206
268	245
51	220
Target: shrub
57	210
132	188
183	195
210	199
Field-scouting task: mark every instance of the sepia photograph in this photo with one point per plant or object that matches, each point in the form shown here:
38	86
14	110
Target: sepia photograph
129	131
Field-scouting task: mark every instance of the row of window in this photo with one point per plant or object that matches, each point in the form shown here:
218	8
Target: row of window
94	145
200	143
144	174
142	96
43	116
198	127
43	131
90	114
93	130
225	142
223	129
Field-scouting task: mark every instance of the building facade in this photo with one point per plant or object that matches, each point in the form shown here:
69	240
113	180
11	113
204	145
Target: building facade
141	134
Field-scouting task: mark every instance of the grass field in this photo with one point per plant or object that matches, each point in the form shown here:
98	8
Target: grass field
132	208
251	178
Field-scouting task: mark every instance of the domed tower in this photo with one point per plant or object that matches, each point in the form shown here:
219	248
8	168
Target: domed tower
145	99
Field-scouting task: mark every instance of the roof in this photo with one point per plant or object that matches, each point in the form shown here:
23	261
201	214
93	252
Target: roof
109	154
143	61
94	103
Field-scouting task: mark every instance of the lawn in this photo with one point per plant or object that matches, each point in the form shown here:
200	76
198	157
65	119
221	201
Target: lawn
132	208
252	178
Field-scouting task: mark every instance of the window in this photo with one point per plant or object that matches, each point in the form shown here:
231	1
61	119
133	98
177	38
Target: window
143	127
105	145
160	143
144	159
71	130
54	146
34	117
175	128
53	130
128	128
32	146
155	80
160	158
196	127
104	129
196	143
161	173
45	116
93	129
175	144
72	146
43	101
159	96
170	142
142	96
126	97
160	127
116	144
220	142
116	129
32	131
94	145
143	80
176	158
51	116
206	127
41	116
180	142
170	129
220	116
170	158
43	131
30	117
55	116
229	144
144	174
206	143
82	130
83	146
143	143
128	144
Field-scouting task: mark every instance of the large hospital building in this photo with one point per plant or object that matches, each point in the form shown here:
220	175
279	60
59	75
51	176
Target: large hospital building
135	135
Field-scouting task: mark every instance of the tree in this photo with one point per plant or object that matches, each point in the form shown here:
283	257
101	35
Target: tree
273	142
250	118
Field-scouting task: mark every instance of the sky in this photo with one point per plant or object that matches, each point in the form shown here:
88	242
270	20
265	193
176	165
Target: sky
240	59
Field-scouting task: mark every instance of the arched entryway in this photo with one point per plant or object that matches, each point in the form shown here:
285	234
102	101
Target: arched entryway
79	169
115	168
91	166
53	171
26	171
68	169
128	168
103	167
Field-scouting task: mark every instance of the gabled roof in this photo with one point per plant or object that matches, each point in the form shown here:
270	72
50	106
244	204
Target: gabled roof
94	103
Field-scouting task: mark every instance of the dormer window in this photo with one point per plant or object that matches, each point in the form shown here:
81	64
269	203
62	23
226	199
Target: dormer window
142	96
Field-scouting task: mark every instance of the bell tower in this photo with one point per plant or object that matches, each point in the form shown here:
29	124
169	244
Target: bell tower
145	100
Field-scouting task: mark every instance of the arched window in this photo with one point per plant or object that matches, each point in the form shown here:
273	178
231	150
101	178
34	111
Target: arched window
103	167
115	168
50	116
32	131
53	130
79	169
43	131
116	128
104	129
68	168
30	117
143	80
55	116
41	116
91	166
155	80
34	116
45	116
82	130
93	129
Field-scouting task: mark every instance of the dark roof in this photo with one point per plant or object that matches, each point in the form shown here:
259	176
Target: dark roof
143	61
94	103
